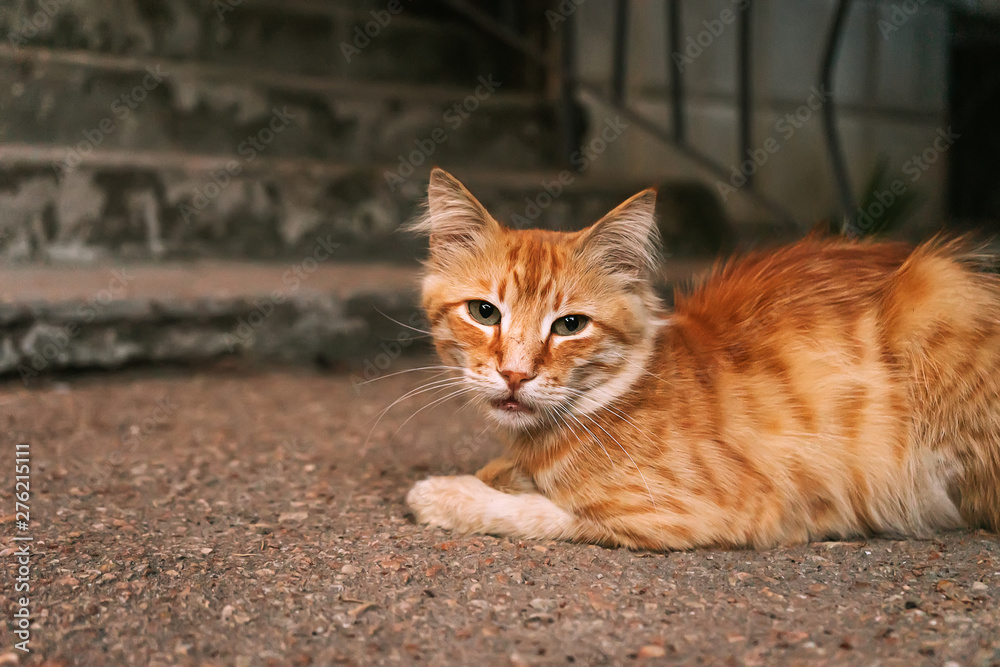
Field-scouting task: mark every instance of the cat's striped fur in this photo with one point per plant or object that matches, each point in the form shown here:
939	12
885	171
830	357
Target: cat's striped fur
822	390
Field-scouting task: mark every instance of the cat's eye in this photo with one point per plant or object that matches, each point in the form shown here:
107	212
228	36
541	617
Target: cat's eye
569	325
484	312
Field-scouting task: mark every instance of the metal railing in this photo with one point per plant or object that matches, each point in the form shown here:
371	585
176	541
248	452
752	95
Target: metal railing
564	70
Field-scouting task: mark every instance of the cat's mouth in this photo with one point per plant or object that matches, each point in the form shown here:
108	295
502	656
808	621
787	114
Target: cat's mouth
510	404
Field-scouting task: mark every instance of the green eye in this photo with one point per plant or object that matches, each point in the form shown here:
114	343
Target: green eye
484	312
569	325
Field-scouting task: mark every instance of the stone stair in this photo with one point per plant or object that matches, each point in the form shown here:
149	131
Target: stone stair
219	144
314	311
110	317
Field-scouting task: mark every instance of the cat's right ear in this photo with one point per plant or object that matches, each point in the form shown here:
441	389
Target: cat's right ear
455	220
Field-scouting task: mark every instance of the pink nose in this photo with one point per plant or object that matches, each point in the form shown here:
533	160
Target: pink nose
515	378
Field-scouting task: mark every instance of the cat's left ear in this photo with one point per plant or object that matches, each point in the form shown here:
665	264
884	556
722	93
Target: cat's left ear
625	241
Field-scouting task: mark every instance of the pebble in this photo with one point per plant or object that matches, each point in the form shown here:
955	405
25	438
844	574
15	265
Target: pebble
652	651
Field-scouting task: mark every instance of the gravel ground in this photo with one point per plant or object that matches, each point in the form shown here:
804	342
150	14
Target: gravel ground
239	518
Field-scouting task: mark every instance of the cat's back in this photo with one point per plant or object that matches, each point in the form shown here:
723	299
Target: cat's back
814	277
914	299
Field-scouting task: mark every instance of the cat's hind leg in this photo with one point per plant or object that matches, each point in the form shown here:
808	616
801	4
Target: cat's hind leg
468	505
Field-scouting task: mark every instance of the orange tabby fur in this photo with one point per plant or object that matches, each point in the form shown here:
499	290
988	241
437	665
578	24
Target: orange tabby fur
822	390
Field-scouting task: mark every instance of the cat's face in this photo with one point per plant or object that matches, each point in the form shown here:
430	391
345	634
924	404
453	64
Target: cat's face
546	326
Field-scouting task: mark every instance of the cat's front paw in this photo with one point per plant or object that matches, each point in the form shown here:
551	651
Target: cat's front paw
447	502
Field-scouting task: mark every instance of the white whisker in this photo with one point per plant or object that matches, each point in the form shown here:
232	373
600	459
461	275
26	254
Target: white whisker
436	401
413	370
430	386
401	324
591	434
609	407
637	469
641	368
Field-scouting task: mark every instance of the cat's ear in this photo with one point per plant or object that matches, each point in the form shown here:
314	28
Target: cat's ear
626	241
455	220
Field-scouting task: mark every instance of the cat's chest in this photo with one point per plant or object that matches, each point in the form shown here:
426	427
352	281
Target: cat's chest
560	482
563	469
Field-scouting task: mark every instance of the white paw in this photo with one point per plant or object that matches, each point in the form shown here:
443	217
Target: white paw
449	502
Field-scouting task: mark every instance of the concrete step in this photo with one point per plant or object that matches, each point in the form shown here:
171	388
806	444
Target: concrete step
107	317
353	40
314	311
132	206
78	103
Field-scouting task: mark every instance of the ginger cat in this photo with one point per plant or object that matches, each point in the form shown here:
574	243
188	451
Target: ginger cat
822	390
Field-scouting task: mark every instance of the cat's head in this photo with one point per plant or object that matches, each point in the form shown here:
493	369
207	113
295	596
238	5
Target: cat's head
546	325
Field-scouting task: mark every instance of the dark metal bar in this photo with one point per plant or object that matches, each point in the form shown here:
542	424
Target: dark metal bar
620	52
746	87
569	114
837	162
674	67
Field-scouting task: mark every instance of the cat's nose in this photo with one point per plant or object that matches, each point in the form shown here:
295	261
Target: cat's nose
515	378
